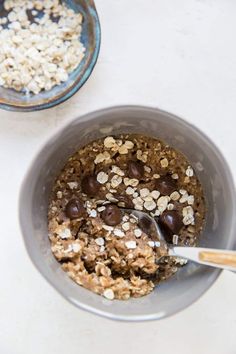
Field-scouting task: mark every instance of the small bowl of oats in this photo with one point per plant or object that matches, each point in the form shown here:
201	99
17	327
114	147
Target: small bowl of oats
75	211
48	51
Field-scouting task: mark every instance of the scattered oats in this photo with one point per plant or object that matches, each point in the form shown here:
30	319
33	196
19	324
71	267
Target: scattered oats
157	243
109	294
183	191
73	185
130	244
41	55
137	232
190	200
175	176
135	195
162	203
126	226
110	197
175	239
164	163
119	233
149	198
151	244
188	219
54	208
64	233
116	181
188	210
138	200
189	171
123	150
129	190
69	249
175	196
100	241
102	177
184	198
119	142
107	227
133	182
150	205
144	192
155	194
100	209
121	204
170	206
156	176
102	249
76	247
129	144
105	156
108	185
109	142
138	207
147	169
59	194
125	218
93	213
117	171
142	156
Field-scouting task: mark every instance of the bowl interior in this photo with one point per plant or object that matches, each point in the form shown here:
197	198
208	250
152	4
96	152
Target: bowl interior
90	37
192	280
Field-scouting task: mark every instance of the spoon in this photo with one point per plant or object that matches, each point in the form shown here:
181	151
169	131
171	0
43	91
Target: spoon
208	256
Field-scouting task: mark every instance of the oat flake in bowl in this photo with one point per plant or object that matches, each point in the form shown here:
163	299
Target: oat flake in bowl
105	249
40	44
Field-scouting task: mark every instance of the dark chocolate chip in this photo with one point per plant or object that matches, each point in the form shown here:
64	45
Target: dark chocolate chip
90	185
135	169
74	208
171	223
112	215
165	185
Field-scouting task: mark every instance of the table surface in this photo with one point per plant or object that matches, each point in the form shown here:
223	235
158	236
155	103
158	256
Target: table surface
179	56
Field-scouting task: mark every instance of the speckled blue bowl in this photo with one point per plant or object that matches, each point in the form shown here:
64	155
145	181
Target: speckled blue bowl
91	38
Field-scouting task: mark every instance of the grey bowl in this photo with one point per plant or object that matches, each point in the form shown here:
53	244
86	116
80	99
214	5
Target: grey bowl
192	280
91	38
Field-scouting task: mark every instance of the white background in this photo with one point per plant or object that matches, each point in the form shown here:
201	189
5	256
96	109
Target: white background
178	55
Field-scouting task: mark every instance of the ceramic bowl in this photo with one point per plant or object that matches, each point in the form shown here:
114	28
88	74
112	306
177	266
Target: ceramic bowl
91	38
191	281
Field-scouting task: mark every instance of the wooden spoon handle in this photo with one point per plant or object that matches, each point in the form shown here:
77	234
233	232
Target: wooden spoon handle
227	259
213	257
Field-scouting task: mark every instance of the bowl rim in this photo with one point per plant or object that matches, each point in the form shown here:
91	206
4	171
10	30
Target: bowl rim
75	88
108	314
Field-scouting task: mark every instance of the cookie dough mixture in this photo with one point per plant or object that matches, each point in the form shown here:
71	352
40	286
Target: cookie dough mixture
102	246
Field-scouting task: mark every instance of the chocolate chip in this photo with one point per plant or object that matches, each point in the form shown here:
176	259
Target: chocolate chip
74	208
171	223
112	215
165	185
135	169
90	185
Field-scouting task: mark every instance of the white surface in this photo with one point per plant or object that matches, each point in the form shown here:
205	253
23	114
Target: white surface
181	57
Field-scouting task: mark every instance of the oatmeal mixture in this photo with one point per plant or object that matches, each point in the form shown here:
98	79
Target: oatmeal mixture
40	44
104	247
